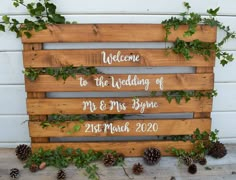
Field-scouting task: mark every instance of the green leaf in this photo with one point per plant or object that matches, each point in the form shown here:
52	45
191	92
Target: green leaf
76	128
2	28
6	19
187	5
213	12
28	34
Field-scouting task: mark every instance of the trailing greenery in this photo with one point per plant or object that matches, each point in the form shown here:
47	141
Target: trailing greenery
201	144
62	157
61	72
42	13
192	19
58	120
186	95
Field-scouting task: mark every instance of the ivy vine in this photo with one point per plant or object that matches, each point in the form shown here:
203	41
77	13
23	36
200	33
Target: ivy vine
198	47
62	157
61	72
202	142
42	13
186	95
58	120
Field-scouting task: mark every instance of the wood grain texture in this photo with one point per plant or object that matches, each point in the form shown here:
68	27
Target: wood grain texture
75	106
129	149
116	33
202	70
108	128
93	57
149	82
36	95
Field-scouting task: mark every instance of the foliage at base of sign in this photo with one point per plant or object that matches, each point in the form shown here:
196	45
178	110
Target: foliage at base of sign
61	158
196	46
204	143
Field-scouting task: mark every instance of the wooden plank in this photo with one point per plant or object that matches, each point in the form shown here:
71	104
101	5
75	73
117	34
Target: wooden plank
147	105
36	95
129	149
111	57
121	82
202	70
123	128
116	33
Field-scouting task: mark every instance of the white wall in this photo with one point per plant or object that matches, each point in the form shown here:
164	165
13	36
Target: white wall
12	93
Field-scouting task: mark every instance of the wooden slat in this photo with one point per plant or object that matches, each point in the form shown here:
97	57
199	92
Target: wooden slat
109	82
36	95
116	33
75	106
202	70
127	128
129	149
94	57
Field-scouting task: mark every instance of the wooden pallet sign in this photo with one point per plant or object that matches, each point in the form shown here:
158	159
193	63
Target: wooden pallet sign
39	106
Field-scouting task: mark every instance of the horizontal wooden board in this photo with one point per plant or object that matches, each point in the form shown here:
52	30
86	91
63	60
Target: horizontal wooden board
123	128
129	149
116	33
146	105
98	57
122	82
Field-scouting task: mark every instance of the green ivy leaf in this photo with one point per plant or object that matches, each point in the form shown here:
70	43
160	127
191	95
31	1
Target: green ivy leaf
28	34
2	28
6	19
213	12
187	5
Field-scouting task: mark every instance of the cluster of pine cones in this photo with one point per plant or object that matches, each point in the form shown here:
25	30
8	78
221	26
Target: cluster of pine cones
151	156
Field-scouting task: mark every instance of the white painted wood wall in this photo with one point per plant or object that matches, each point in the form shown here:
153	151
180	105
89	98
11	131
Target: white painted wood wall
12	93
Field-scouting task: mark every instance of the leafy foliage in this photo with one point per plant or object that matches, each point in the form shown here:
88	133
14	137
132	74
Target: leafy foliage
187	95
61	72
62	157
192	19
59	120
201	142
42	12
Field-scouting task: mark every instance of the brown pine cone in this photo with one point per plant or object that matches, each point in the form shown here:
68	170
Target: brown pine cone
187	160
192	169
23	151
137	169
217	150
109	160
14	173
34	167
61	175
152	156
202	161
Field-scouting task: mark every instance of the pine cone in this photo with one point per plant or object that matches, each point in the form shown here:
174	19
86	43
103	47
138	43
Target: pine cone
14	173
203	161
187	160
137	169
109	160
152	156
33	168
192	169
217	150
61	175
23	151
